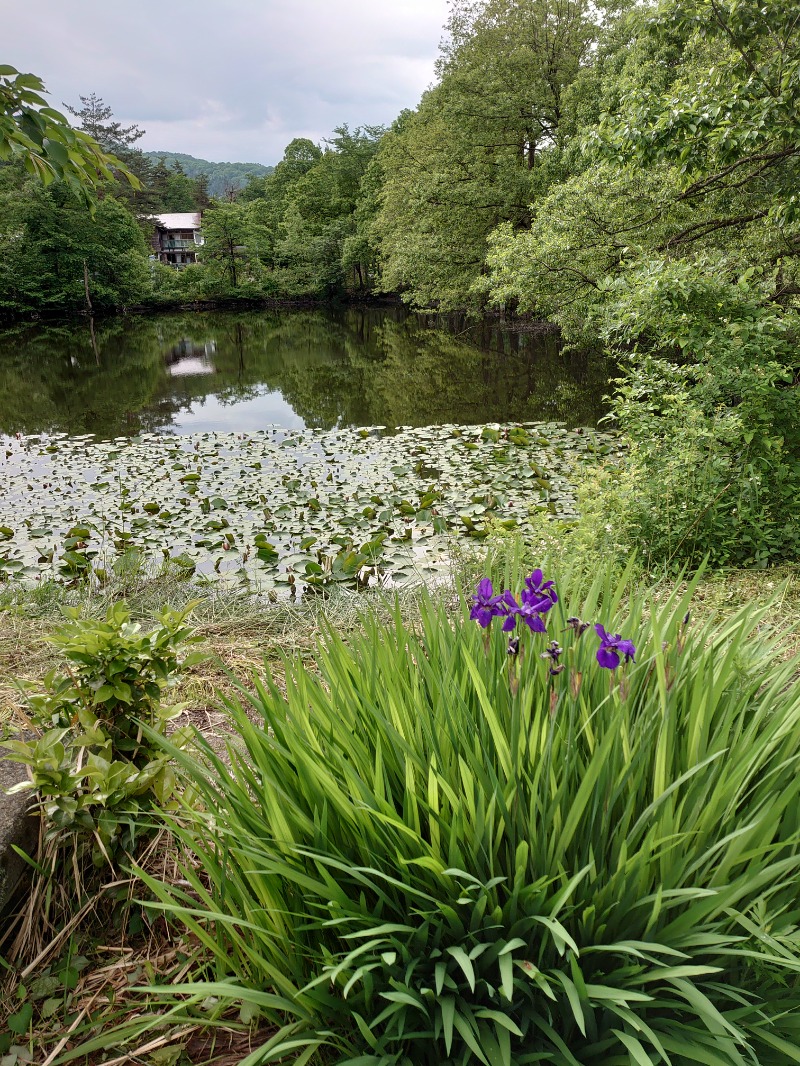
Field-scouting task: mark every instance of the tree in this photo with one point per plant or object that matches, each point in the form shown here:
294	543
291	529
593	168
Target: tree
319	214
256	188
201	194
225	241
359	255
180	193
97	119
696	154
299	157
676	238
732	116
51	242
42	138
266	196
475	153
158	184
218	174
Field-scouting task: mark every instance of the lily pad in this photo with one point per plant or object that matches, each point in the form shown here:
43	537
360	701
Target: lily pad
269	497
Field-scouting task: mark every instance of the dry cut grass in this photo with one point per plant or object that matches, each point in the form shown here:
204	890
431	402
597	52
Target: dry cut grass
240	632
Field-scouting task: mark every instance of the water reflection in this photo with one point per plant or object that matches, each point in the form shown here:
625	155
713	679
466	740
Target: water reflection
240	371
186	358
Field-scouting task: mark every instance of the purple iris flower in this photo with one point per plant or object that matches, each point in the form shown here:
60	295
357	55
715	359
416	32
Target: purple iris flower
529	612
612	647
539	590
536	600
553	652
486	605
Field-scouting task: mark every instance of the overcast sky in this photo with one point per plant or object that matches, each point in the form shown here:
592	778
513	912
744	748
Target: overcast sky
230	80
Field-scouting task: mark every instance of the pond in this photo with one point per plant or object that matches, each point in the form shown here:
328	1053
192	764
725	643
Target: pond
238	372
283	450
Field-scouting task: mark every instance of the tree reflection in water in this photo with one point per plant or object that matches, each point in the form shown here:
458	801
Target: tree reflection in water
332	368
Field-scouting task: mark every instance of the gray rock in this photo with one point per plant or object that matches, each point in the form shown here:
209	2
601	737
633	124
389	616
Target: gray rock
17	826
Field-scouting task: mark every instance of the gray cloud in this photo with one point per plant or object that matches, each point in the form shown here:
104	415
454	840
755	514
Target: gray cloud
233	81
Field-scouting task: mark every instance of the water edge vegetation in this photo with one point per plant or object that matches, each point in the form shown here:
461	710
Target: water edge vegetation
601	861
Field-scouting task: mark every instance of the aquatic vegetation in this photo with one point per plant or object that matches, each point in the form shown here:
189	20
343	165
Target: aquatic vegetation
280	507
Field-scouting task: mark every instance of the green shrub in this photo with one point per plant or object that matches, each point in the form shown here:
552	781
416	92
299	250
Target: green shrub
710	406
434	851
96	771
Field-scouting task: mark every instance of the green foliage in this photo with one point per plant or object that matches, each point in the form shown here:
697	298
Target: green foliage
222	177
674	236
428	850
691	148
715	432
730	119
295	232
267	197
589	226
471	156
159	188
47	996
299	157
48	235
96	771
236	256
97	119
224	247
43	140
315	249
170	189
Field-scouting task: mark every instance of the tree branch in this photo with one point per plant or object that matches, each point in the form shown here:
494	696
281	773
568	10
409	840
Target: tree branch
702	229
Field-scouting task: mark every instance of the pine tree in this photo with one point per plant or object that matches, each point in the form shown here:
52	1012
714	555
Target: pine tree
201	195
97	119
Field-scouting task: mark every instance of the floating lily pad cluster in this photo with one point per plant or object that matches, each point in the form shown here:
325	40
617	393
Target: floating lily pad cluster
299	508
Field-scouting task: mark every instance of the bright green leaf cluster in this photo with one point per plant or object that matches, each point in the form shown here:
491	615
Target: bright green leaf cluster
96	771
43	139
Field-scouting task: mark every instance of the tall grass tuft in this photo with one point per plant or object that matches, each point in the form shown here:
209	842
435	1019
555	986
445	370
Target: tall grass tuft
431	851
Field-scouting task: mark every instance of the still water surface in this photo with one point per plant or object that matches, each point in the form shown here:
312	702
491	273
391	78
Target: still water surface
241	371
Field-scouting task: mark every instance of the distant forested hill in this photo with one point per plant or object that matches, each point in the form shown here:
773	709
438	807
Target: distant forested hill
220	175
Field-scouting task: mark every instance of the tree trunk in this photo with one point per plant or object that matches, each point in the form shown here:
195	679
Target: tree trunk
86	288
232	252
94	341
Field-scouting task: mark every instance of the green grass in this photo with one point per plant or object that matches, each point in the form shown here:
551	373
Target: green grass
241	630
238	629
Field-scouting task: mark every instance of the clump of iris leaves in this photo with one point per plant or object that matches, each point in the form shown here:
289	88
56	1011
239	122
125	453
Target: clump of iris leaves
435	846
277	507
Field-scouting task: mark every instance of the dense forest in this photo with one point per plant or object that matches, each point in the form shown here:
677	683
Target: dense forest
565	146
224	179
627	171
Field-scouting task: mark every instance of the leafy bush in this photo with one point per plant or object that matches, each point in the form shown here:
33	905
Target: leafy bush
461	845
95	769
709	403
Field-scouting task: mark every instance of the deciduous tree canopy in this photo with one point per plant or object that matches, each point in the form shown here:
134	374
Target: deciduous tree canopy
42	139
627	170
